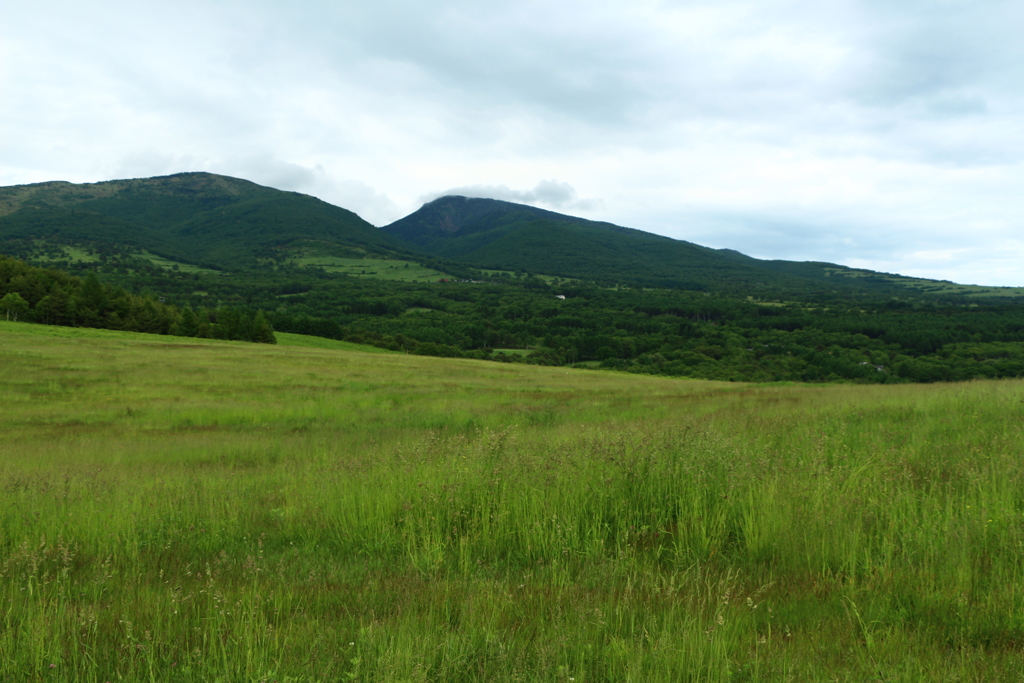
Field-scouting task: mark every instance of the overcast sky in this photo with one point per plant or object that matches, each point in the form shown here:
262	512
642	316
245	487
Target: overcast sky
886	134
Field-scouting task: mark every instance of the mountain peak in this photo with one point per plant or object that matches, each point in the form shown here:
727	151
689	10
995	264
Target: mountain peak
451	215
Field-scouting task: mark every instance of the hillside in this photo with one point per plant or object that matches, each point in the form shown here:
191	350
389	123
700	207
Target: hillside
196	222
502	235
495	234
192	218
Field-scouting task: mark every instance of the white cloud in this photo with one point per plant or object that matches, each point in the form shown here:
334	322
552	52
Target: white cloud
549	193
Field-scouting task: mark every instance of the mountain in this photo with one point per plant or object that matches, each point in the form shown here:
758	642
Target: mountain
500	235
191	220
503	235
196	218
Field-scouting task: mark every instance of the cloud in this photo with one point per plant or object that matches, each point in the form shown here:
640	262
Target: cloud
268	170
352	194
551	193
785	127
974	264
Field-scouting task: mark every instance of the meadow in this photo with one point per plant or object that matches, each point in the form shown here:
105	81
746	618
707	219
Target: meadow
193	510
381	268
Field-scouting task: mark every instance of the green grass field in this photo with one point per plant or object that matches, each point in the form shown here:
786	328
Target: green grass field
191	510
515	352
385	269
168	264
550	279
68	253
307	341
79	255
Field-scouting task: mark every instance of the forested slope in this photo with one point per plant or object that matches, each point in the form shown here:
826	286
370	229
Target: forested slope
199	218
489	233
51	297
659	331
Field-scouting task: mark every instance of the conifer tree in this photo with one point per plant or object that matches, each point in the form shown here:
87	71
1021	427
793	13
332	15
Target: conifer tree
189	325
262	333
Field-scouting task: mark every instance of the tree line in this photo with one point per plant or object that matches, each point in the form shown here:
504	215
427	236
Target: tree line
660	331
685	333
52	297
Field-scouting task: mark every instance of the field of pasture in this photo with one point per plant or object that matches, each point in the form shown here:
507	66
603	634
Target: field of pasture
385	269
190	510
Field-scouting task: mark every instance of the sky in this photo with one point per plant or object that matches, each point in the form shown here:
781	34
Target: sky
876	134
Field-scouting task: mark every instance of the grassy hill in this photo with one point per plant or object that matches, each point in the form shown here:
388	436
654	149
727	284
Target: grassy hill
193	510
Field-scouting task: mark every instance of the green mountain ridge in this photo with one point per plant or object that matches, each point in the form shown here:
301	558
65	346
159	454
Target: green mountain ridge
495	234
230	224
193	217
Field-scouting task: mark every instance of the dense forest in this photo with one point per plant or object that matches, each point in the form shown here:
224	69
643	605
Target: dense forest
674	332
660	331
53	297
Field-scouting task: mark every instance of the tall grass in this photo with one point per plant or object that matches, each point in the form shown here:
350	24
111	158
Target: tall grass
205	511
